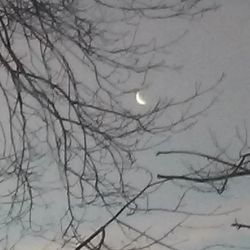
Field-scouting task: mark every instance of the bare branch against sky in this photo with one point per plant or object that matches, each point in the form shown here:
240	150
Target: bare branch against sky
71	130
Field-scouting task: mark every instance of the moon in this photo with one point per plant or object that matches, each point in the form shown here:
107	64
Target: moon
139	99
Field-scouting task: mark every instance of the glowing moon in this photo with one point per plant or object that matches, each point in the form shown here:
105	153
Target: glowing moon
139	99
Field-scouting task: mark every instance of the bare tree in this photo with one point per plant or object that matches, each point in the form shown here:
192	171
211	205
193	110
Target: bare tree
68	139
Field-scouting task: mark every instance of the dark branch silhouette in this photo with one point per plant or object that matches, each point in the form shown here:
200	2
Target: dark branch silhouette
68	136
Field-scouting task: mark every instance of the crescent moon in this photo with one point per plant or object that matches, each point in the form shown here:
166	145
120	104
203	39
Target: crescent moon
139	99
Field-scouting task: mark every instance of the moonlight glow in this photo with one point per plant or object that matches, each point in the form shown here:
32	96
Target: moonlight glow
139	99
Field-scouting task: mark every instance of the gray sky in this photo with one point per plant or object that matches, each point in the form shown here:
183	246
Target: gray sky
219	42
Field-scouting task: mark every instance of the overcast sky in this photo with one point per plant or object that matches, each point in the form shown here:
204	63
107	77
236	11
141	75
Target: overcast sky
218	43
